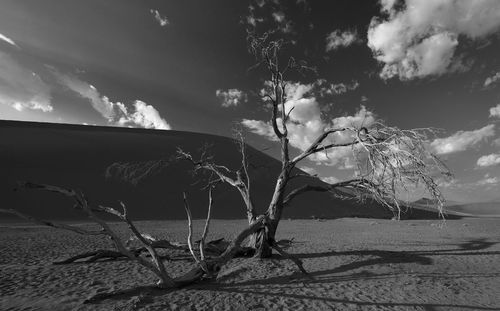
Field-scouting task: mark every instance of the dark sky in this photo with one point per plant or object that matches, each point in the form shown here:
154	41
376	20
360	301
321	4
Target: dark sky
183	65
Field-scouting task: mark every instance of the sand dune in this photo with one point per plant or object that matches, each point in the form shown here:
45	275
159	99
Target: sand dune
77	156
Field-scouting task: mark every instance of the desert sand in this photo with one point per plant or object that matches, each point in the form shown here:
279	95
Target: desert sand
356	264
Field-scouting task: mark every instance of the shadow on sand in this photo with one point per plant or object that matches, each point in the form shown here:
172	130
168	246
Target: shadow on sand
476	247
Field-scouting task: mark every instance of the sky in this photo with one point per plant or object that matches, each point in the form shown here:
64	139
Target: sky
185	65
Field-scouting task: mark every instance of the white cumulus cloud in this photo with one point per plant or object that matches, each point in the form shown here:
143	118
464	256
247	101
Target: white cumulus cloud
419	39
490	80
116	113
462	140
495	111
145	116
339	88
489	160
231	97
338	39
162	20
260	128
306	124
22	88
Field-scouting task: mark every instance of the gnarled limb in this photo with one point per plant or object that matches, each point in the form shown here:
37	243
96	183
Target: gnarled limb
148	245
215	264
206	267
356	183
81	203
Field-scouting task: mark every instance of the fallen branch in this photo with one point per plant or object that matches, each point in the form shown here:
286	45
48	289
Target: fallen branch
206	267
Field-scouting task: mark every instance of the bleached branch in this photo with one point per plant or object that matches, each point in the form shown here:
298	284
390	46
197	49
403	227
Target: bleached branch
207	225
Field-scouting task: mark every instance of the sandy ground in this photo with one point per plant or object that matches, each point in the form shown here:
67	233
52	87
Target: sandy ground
357	264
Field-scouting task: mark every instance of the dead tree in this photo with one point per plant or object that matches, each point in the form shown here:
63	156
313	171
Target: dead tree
206	267
388	159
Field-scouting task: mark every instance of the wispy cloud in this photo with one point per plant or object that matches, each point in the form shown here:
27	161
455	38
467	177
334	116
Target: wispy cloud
496	142
338	39
21	88
485	182
279	16
284	25
490	80
420	38
462	140
116	113
162	20
251	19
231	97
8	40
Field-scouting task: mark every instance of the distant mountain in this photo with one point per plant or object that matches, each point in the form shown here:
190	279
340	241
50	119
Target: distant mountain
478	209
484	209
425	201
77	156
433	202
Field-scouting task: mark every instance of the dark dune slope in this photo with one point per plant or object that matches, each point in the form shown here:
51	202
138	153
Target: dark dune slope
77	157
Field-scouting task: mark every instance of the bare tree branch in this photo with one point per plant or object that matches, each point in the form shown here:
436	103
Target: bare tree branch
207	225
316	145
241	181
82	204
190	229
353	183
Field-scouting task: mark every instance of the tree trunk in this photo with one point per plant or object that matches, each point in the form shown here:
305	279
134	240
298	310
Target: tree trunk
265	238
262	240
